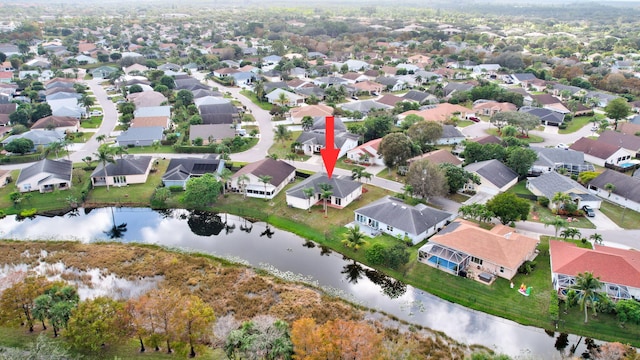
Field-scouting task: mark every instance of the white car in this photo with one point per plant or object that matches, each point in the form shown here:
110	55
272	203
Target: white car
562	146
95	113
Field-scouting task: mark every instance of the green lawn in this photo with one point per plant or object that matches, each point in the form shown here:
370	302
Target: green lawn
459	198
520	188
625	218
576	124
531	139
282	148
93	122
252	96
464	123
55	200
348	165
162	149
79	137
135	194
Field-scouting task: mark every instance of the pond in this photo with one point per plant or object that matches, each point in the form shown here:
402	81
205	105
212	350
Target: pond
261	245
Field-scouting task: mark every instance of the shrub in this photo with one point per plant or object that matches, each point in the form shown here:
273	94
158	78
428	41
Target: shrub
376	254
2	214
176	188
562	126
543	201
28	212
527	267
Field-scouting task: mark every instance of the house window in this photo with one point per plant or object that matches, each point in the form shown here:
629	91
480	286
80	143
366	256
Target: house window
119	180
476	260
338	201
501	269
389	228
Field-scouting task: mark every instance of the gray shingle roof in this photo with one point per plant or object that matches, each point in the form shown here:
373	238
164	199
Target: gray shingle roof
552	182
411	219
341	185
181	169
630	142
141	134
277	169
494	171
150	111
552	156
128	165
625	185
414	95
60	169
450	131
547	115
318	137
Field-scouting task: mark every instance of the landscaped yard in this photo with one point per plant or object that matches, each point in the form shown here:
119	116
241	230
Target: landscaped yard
136	194
93	122
625	218
252	96
464	123
531	139
79	137
283	148
161	149
576	124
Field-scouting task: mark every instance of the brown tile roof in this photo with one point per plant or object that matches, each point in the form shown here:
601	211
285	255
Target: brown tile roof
277	169
441	112
546	99
494	246
598	149
149	121
495	106
611	265
147	99
55	121
628	128
369	86
390	99
438	157
630	142
312	110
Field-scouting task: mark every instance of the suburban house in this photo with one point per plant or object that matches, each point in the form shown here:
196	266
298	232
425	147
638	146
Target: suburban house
290	99
344	191
625	192
149	111
548	184
523	79
366	153
364	106
546	116
450	135
43	138
312	141
140	136
441	156
491	107
420	97
465	249
631	143
65	124
552	159
391	83
439	112
45	175
278	172
103	72
180	171
126	170
5	111
147	99
601	153
319	110
392	216
617	269
149	121
223	113
211	133
495	177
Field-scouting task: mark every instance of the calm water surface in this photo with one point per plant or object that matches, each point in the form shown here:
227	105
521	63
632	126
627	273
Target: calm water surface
260	244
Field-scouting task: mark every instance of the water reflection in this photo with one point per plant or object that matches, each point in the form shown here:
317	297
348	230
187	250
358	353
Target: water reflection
117	230
202	231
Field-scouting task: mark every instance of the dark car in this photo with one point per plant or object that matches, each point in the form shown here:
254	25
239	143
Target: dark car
589	211
474	119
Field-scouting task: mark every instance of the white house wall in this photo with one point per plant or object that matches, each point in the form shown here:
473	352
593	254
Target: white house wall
617	199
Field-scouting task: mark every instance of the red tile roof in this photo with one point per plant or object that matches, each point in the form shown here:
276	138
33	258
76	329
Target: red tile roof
611	265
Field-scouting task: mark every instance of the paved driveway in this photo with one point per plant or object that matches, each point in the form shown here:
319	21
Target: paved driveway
602	222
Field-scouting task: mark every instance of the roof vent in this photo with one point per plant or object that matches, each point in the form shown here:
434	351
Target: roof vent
507	235
394	204
403	207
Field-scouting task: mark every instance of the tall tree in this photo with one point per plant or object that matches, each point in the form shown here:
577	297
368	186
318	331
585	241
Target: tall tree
508	207
457	177
427	179
307	123
520	159
587	285
282	134
395	149
195	319
354	238
104	155
18	301
425	133
225	176
96	323
325	193
242	183
377	126
557	222
202	191
617	109
309	194
56	305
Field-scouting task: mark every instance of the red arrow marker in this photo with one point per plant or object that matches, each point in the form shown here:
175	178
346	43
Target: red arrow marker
329	153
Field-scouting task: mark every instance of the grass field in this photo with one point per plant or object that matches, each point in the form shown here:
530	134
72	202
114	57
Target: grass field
625	218
93	122
252	96
576	124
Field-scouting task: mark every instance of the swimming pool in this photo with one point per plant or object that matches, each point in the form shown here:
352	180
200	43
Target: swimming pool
626	165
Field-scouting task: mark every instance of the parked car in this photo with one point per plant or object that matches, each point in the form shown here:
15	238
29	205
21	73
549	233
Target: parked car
562	146
354	97
589	211
95	113
474	119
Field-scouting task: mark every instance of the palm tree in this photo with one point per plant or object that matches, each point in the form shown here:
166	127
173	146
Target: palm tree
282	133
367	175
356	173
354	238
308	193
120	151
307	123
104	156
408	190
265	180
565	233
570	232
558	223
55	147
325	194
609	187
597	238
587	285
290	156
101	138
283	99
242	182
560	198
225	175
